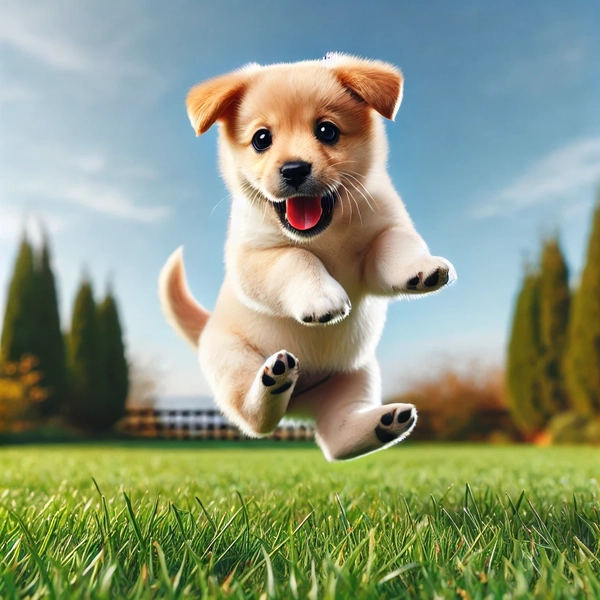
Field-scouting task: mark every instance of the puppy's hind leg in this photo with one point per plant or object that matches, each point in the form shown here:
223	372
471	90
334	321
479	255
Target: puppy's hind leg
350	419
252	391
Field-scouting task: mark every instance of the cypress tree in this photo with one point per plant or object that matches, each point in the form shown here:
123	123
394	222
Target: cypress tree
115	367
555	301
49	343
19	326
583	353
523	361
87	390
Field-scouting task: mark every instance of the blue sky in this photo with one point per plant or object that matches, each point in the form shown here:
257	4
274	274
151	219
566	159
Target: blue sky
497	143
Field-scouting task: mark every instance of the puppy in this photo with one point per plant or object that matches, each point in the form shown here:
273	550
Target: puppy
319	242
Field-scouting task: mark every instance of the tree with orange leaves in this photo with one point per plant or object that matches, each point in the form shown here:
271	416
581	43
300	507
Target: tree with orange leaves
19	391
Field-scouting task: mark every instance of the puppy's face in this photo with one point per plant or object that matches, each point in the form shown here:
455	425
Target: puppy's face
297	138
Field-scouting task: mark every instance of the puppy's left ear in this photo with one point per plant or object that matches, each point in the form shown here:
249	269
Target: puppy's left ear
378	83
209	100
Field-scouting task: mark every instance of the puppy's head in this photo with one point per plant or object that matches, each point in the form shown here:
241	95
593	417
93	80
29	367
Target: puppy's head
299	136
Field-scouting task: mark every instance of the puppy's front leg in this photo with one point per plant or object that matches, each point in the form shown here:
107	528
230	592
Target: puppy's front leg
288	282
400	264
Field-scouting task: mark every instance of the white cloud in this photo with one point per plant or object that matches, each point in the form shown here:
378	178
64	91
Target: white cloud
64	36
88	179
94	163
561	175
11	223
90	164
15	220
539	74
21	28
558	53
14	93
98	197
136	171
80	55
107	200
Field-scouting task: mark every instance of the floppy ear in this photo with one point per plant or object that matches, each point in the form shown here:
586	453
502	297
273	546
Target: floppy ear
378	83
208	101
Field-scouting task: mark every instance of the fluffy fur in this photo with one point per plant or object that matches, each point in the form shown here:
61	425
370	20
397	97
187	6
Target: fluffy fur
300	312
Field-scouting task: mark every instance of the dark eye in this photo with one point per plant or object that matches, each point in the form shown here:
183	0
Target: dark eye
327	132
261	140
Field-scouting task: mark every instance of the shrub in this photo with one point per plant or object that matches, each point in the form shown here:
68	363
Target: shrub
461	406
574	428
19	391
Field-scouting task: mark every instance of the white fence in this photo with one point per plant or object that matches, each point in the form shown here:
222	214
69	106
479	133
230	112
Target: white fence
200	424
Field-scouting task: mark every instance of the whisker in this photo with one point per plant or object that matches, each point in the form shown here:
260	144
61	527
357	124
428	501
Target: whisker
332	187
348	198
357	209
263	205
362	185
362	194
357	173
342	162
217	204
355	202
253	195
341	201
264	213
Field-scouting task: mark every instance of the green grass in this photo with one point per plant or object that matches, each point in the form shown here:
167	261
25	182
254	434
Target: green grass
245	522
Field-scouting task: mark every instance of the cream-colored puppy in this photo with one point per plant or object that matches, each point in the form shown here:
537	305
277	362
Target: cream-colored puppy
319	242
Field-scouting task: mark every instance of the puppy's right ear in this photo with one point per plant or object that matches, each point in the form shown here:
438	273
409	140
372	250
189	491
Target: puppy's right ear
208	101
378	83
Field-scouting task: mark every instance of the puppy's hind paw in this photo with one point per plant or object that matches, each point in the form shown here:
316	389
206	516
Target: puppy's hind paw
280	373
396	424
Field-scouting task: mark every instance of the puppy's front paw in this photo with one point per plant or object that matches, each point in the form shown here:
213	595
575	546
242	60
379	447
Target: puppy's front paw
427	275
280	372
327	306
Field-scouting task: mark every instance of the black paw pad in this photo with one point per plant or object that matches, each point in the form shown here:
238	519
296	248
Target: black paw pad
267	380
308	319
388	418
278	367
433	279
290	361
404	416
385	435
326	318
413	283
284	388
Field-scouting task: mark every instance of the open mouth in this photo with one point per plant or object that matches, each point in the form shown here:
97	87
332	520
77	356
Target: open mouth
306	215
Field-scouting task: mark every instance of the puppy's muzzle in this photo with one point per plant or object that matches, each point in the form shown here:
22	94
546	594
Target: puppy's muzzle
295	173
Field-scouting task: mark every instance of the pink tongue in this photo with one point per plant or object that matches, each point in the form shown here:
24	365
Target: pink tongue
303	213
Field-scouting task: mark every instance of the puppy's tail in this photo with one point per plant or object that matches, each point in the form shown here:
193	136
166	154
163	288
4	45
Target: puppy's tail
183	313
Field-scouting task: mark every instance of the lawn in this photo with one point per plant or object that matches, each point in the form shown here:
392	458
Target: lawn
249	521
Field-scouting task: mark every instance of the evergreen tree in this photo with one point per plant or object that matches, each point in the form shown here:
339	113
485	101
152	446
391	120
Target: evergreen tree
115	367
583	353
87	396
554	318
19	326
523	361
48	345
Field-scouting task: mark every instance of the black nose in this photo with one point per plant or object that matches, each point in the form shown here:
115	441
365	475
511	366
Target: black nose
295	173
